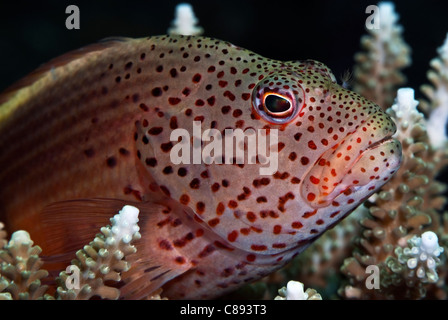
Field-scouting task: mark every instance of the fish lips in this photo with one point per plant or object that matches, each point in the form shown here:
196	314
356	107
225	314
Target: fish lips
352	168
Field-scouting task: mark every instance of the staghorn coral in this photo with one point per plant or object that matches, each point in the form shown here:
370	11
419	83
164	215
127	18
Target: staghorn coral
421	258
101	261
20	273
294	291
397	214
437	93
185	21
377	73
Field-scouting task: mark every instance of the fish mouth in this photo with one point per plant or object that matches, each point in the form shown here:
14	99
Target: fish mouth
355	164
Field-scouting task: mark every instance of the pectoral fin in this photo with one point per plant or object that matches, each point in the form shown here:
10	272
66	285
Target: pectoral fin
69	225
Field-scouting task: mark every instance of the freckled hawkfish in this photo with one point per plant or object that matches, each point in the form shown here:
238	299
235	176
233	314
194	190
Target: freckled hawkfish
92	130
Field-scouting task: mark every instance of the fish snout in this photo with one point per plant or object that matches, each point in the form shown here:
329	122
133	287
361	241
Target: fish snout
357	166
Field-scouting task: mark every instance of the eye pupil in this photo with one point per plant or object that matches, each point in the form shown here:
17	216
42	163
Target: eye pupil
276	104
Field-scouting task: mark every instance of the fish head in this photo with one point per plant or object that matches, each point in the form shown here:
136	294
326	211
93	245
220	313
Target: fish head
335	149
311	151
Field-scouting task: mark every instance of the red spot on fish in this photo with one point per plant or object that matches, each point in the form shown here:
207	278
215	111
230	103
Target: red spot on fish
229	95
311	196
251	216
220	209
251	257
200	207
215	187
199	103
154	131
232	236
277	229
165	245
314	180
180	260
233	204
312	145
309	213
207	251
184	199
297	225
164	222
173	101
295	180
211	101
213	222
196	78
258	247
184	240
304	161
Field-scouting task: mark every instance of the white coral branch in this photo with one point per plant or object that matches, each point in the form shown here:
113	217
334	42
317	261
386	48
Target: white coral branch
422	256
103	259
185	21
438	98
294	290
377	72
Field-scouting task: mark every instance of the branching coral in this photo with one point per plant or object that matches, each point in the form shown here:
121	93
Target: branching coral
397	214
294	291
100	261
421	258
377	73
437	106
20	273
185	21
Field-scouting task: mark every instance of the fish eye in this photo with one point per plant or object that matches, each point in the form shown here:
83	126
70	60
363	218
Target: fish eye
278	99
276	105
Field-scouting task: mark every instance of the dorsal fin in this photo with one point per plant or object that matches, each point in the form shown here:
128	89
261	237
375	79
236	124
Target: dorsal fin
62	60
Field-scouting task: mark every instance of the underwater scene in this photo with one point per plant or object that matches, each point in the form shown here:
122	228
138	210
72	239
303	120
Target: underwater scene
231	150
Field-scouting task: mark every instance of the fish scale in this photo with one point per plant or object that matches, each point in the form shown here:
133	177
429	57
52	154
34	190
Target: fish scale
98	123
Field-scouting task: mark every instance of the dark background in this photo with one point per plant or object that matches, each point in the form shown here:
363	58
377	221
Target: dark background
33	32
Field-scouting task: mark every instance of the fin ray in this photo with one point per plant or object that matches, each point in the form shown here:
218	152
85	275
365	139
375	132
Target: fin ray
59	61
69	225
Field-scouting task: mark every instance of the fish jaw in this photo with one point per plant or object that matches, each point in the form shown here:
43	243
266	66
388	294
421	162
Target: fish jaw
366	159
